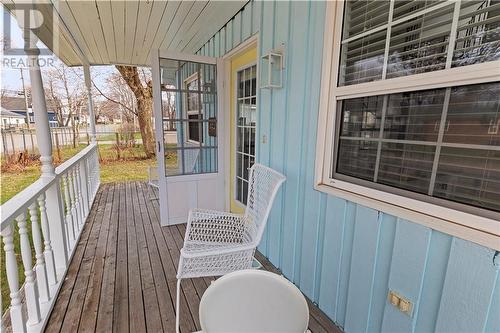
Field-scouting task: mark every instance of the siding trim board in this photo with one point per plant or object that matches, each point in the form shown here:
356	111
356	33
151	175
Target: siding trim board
344	255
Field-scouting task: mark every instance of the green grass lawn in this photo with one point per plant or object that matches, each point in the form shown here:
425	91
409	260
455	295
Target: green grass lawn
112	136
132	165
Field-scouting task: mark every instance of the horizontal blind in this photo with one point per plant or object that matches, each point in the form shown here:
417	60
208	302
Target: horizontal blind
478	33
393	140
418	35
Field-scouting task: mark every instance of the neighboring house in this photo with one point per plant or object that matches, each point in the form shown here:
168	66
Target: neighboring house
9	119
18	105
383	116
14	105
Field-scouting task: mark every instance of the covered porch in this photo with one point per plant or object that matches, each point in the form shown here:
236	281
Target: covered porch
99	257
122	274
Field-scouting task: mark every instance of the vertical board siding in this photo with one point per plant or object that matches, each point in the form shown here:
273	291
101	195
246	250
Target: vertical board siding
467	298
383	267
439	253
344	256
365	246
409	258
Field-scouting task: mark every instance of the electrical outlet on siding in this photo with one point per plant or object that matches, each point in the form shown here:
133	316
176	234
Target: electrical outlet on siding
400	302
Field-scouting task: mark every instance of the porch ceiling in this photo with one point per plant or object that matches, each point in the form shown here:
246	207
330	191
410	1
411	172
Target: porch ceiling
106	32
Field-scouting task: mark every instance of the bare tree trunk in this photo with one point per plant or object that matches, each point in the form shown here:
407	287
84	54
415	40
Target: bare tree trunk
144	97
145	117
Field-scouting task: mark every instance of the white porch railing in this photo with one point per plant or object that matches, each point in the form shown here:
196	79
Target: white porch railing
56	209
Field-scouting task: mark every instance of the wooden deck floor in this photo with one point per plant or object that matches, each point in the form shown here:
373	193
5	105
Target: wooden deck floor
122	275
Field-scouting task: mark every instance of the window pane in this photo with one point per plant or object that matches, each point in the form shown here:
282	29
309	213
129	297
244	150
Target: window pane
469	176
245	129
406	166
189	106
474	115
478	33
361	117
362	60
402	154
195	128
420	44
361	16
357	158
403	8
419	37
414	115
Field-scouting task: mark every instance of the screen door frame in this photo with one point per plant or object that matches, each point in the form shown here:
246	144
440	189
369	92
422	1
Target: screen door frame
196	186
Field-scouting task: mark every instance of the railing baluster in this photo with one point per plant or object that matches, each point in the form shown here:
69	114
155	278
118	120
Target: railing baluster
30	287
95	168
16	312
54	209
79	196
84	185
41	272
49	255
69	215
90	164
72	195
90	178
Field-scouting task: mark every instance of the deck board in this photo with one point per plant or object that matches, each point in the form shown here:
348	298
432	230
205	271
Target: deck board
122	275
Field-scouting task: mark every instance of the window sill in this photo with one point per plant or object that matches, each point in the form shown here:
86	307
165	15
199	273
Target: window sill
477	229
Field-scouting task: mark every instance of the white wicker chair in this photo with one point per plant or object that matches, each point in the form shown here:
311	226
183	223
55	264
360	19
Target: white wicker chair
217	243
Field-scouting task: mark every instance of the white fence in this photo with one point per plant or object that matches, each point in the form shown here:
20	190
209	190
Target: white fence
55	209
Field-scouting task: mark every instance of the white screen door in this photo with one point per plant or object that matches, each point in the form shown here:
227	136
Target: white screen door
188	128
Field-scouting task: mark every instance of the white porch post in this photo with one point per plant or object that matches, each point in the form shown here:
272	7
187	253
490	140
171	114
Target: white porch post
88	83
54	202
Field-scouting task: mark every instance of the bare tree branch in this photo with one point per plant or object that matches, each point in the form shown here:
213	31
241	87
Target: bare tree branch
111	99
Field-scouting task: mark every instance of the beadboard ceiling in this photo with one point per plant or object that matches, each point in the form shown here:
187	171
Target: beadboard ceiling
106	32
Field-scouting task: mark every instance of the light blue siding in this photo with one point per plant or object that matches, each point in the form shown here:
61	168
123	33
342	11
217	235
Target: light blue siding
344	256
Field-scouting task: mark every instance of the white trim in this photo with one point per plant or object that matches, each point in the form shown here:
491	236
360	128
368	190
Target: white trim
159	144
479	229
457	76
227	58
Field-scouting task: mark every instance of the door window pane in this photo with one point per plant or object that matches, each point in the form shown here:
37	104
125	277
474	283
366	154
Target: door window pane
190	108
245	129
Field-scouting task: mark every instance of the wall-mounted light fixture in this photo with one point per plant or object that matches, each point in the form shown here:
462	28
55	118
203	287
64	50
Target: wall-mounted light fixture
272	70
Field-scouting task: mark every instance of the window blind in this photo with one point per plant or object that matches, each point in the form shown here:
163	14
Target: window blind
442	143
383	40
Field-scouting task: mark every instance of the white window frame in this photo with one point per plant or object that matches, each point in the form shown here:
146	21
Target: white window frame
236	126
479	229
193	77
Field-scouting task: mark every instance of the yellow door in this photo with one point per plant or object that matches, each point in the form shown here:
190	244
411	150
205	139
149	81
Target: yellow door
243	121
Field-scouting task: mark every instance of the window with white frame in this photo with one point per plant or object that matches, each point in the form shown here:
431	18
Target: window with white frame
414	102
194	109
246	106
